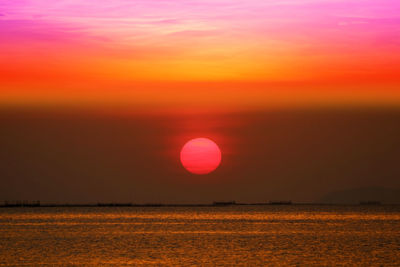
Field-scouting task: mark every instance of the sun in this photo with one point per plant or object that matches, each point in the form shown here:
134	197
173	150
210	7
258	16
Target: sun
200	156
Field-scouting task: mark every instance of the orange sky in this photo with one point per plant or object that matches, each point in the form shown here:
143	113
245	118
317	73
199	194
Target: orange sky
209	54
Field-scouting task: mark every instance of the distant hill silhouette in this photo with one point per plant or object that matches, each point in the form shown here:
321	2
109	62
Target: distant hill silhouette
365	194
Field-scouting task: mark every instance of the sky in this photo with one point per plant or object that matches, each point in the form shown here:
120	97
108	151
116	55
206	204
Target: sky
303	155
230	54
98	97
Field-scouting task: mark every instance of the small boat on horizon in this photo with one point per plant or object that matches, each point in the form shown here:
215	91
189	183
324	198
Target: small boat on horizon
224	203
280	202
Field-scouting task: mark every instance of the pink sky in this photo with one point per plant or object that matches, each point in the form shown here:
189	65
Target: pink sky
164	52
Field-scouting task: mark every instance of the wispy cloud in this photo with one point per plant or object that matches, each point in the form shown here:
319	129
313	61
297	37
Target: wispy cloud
202	40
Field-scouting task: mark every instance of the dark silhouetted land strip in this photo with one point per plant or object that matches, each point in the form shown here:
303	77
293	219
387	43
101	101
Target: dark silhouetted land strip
33	204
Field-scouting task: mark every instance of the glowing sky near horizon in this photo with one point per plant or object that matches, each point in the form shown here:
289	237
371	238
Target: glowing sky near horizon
208	53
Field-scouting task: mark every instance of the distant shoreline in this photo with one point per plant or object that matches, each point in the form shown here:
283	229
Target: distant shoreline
214	204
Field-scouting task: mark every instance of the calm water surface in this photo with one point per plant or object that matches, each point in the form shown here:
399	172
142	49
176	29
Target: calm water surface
238	235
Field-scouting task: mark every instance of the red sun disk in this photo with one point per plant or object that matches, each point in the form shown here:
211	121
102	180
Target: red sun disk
200	156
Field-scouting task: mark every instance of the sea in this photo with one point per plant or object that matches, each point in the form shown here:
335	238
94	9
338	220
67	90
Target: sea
267	235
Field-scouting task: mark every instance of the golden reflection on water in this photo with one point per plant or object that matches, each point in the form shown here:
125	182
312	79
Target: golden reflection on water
244	235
